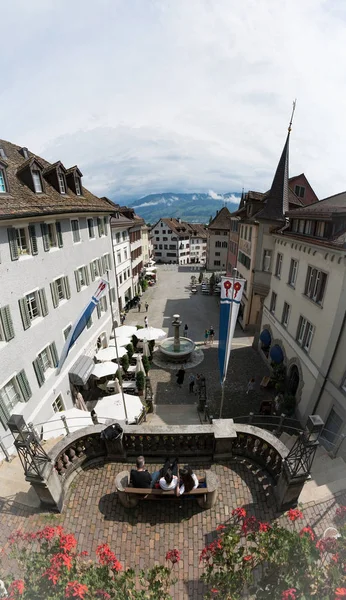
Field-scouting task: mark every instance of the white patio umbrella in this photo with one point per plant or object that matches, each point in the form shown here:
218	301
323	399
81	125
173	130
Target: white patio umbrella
146	351
124	331
110	354
151	333
139	365
75	418
104	369
111	407
121	341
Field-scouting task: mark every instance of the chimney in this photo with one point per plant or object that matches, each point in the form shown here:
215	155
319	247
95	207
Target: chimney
179	220
24	152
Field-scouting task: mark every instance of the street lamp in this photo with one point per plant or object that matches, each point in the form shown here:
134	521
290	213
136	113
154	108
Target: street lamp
32	455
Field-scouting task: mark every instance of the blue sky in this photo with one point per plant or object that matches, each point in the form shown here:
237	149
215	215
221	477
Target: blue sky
177	95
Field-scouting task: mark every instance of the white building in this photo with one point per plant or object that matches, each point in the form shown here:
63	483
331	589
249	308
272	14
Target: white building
218	237
55	245
172	241
146	245
121	226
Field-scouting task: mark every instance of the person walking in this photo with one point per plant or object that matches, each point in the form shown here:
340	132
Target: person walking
211	334
191	382
251	385
206	337
139	307
146	321
146	307
186	329
180	375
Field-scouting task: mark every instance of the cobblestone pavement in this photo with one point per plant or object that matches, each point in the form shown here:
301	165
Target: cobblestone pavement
141	536
200	312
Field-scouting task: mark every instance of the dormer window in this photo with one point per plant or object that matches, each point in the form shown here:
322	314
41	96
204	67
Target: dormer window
36	177
78	186
3	178
62	185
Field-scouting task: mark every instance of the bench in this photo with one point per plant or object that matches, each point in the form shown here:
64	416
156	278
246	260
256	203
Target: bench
130	497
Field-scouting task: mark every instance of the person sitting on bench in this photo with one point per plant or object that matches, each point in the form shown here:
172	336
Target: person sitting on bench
169	478
188	481
140	477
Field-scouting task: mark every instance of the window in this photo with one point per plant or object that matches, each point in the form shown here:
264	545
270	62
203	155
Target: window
320	229
117	238
299	191
46	360
244	260
217	244
6	324
224	244
156	231
61	180
33	305
285	314
95	269
273	302
304	333
315	284
217	263
308	227
14	391
164	231
101	226
250	234
292	277
267	259
60	290
36	177
278	265
118	257
22	240
125	254
78	186
331	430
89	322
120	279
301	226
169	231
51	235
295	225
58	404
67	331
75	230
91	228
81	277
2	182
217	253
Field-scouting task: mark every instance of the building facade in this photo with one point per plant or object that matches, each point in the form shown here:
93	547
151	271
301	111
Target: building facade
303	323
217	241
55	246
120	227
146	245
177	241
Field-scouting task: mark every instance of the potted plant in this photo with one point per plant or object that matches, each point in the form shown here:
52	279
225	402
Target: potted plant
146	364
130	350
125	363
140	382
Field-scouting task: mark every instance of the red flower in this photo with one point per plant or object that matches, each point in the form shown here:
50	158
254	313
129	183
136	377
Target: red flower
340	512
210	550
249	524
340	592
47	533
220	527
248	557
16	588
214	591
102	594
68	542
107	557
239	512
53	574
309	531
173	556
328	544
289	594
294	514
335	557
83	553
74	589
264	527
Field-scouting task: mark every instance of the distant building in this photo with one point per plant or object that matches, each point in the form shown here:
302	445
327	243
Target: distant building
177	241
55	246
135	233
217	242
146	245
120	226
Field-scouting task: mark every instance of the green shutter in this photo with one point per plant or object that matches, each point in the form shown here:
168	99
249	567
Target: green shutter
105	303
59	234
100	265
55	297
43	302
104	264
4	413
67	287
13	243
106	225
99	226
98	308
45	237
113	296
54	354
24	385
92	272
7	324
86	275
78	285
24	311
39	372
109	261
33	239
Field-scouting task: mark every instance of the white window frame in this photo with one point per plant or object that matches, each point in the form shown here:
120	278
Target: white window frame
52	235
36	178
11	404
77	183
20	250
3	189
82	275
305	333
313	284
93	264
267	260
294	265
273	301
29	305
49	364
58	402
62	184
91	226
75	231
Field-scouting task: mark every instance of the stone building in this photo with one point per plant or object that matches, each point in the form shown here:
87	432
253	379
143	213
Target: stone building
54	246
217	242
178	242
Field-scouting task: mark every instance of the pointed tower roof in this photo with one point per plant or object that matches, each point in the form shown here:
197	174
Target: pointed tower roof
276	200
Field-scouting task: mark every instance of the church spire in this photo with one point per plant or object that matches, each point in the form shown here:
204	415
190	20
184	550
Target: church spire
276	201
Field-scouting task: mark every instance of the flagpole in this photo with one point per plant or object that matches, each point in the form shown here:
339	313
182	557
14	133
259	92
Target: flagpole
116	348
229	322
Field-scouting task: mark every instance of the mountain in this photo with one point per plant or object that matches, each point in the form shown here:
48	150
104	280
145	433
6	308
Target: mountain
194	208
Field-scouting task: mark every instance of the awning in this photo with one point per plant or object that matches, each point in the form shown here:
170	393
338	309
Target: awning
265	337
276	354
81	370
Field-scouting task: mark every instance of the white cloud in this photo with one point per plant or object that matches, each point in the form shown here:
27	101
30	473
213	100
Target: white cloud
215	196
153	95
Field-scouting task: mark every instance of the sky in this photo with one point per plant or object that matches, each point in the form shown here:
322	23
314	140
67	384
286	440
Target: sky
147	96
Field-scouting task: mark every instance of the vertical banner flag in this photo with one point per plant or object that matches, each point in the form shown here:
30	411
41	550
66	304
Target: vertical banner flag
81	323
231	294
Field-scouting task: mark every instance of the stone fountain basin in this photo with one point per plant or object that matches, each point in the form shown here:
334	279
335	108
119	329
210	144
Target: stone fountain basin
186	347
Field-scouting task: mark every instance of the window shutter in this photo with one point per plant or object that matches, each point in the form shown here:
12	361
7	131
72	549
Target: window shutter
39	372
99	225
54	353
24	385
59	234
105	303
33	239
100	265
98	307
78	285
104	263
112	292
13	243
105	225
4	414
54	292
24	311
67	287
43	302
86	275
45	238
92	272
7	324
109	261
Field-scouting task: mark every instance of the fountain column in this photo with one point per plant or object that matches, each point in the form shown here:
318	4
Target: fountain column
176	324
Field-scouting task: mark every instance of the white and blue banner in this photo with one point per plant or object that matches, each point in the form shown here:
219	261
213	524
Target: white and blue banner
231	294
81	323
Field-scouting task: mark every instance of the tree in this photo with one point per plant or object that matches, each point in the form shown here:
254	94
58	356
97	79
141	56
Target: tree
125	363
140	381
146	364
130	350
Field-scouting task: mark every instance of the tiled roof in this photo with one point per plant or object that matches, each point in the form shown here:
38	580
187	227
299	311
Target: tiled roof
323	208
183	228
276	200
221	220
21	201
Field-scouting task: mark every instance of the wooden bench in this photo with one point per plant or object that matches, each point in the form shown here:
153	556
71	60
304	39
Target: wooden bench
130	496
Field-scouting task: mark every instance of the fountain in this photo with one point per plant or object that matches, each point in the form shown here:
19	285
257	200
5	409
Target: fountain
177	349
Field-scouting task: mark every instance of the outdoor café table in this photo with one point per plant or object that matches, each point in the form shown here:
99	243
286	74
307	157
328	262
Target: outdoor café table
129	385
131	369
